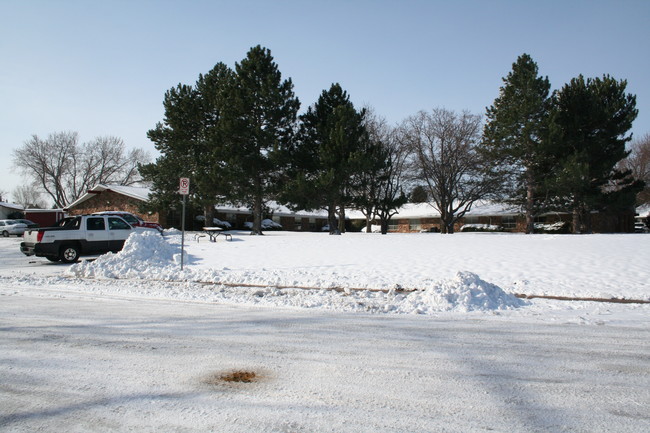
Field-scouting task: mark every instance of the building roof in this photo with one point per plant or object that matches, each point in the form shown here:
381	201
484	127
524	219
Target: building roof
135	192
480	208
13	206
644	210
276	208
409	210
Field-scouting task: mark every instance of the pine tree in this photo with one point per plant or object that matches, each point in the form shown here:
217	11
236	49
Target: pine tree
327	155
516	137
190	142
258	128
593	118
419	195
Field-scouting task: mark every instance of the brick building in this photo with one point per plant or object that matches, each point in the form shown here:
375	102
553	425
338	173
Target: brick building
113	198
411	218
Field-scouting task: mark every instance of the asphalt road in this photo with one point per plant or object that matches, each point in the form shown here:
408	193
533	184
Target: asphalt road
77	362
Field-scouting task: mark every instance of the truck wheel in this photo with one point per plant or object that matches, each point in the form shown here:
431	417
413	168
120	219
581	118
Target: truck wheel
5	234
69	253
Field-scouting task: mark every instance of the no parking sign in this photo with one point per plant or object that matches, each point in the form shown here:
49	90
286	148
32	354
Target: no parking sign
184	188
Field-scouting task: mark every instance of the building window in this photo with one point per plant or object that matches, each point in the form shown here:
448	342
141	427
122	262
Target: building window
415	225
509	222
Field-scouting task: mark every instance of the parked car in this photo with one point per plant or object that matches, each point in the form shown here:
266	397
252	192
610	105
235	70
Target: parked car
77	236
133	219
12	227
28	223
267	224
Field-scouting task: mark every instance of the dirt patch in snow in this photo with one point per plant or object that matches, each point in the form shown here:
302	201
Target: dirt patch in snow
233	377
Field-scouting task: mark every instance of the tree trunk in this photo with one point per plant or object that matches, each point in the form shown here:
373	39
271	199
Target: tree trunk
384	225
450	225
368	225
444	224
208	214
530	206
576	217
257	215
341	219
586	215
576	221
331	220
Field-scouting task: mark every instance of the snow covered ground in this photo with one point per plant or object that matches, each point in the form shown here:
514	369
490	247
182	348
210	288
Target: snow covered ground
332	331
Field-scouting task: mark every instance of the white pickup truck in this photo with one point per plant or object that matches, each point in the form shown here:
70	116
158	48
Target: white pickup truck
77	236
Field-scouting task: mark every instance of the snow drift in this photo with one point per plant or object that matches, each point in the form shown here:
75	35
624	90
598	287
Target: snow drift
149	256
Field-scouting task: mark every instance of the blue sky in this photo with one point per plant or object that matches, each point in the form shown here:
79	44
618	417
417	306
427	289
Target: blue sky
102	67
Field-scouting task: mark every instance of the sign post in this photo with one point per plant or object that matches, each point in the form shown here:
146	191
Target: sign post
184	189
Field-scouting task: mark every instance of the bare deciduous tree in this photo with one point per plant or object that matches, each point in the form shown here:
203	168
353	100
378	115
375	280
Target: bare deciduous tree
443	157
638	161
28	196
391	192
377	184
65	170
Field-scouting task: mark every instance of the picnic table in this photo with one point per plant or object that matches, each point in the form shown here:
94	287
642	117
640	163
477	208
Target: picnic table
215	232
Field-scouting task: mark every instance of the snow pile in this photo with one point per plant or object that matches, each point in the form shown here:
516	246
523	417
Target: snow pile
557	227
267	224
149	256
481	228
465	292
215	222
143	252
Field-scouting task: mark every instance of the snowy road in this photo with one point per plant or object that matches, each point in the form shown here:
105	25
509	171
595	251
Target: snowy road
80	362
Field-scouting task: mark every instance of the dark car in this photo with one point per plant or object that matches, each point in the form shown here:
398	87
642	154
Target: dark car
28	223
133	219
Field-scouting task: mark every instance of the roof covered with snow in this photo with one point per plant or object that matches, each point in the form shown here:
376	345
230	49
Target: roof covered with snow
138	193
481	208
409	210
11	205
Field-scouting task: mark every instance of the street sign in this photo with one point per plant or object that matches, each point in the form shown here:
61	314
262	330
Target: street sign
184	186
184	190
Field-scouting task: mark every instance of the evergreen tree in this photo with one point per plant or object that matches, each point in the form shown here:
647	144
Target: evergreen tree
327	155
190	142
259	127
593	118
419	195
516	137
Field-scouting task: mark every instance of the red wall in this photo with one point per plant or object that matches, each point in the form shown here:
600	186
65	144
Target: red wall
44	218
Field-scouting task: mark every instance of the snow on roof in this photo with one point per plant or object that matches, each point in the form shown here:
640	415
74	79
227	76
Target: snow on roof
276	208
481	208
409	210
135	192
11	205
32	210
643	210
138	193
